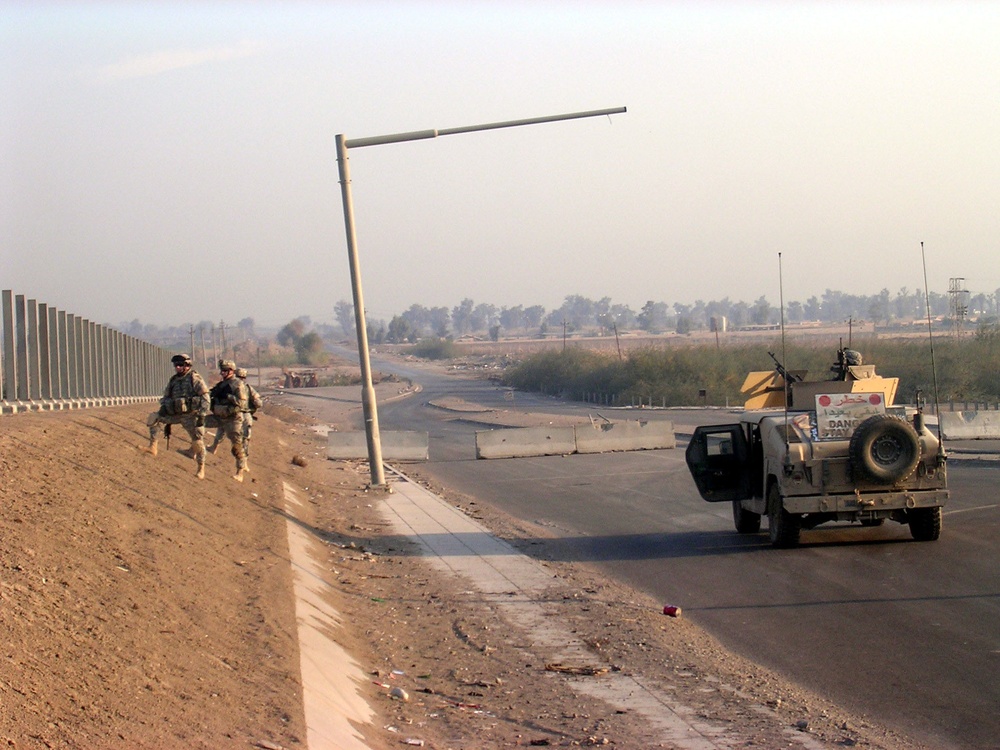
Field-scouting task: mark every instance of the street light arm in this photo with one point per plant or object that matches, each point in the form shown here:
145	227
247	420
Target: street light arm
418	135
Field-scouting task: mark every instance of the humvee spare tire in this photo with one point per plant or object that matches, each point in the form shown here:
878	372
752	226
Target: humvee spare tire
884	449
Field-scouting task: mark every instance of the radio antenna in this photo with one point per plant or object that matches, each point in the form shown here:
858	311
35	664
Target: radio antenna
930	338
786	377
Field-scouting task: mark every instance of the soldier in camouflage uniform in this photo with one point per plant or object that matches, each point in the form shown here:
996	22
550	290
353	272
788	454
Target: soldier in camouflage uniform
254	402
229	401
185	402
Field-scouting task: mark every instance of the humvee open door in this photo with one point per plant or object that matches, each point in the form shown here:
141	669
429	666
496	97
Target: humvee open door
718	457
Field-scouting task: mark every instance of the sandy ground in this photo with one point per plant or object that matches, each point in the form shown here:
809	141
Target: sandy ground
142	608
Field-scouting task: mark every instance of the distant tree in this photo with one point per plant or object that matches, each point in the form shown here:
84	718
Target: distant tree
309	348
577	311
761	312
512	318
495	332
439	319
246	327
699	315
418	317
533	316
344	311
812	309
376	332
739	314
291	332
400	331
483	316
654	317
879	309
623	315
795	312
461	316
602	307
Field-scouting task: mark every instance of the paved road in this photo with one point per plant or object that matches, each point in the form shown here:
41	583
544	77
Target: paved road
907	633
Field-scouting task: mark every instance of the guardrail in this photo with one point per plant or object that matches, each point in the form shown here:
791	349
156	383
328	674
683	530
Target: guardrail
53	360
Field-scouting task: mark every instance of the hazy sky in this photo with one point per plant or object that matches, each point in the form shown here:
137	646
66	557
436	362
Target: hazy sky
175	162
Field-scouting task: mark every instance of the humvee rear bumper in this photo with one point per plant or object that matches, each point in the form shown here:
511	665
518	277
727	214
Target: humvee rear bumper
869	501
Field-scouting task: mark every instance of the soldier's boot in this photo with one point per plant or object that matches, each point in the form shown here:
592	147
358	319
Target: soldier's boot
201	471
241	466
246	466
151	449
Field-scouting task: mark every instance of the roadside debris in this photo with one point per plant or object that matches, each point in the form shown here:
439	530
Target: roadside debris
580	670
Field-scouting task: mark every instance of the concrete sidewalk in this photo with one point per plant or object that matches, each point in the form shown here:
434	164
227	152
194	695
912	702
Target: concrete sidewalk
519	588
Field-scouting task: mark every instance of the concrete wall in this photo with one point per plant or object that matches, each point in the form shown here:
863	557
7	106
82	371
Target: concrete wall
51	359
970	425
525	441
396	445
625	436
561	441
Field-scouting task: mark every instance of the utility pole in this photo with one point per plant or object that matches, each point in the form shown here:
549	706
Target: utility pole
343	144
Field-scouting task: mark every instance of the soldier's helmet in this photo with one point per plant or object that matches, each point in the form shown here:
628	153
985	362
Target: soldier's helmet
181	359
226	364
853	358
241	373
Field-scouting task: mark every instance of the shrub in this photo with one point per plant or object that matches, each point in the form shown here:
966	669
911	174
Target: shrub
434	348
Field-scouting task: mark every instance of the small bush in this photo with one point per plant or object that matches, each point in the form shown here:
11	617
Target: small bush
433	348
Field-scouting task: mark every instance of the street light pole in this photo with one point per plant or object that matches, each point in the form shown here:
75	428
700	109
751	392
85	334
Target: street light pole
343	144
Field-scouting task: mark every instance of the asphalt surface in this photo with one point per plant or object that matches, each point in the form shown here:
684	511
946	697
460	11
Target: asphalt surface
906	633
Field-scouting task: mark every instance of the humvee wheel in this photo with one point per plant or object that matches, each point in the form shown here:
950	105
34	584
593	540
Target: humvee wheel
746	521
884	449
782	527
925	523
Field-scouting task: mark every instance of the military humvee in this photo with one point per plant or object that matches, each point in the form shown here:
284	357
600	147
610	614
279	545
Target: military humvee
806	453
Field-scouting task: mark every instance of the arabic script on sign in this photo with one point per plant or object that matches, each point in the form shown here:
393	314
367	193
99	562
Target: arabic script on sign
838	414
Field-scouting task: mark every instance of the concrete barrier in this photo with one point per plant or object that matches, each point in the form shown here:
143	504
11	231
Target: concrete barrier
396	446
520	442
970	425
625	436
